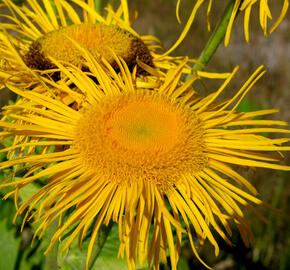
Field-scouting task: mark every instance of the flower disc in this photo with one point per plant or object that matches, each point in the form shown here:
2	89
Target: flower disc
141	137
99	39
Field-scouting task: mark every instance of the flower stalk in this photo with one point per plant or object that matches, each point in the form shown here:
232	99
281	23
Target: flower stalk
217	37
98	5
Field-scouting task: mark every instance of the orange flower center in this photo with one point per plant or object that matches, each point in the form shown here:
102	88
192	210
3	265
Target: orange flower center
143	126
99	39
140	137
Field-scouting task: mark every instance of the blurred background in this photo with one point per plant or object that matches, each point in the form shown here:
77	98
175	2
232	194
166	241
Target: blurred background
272	247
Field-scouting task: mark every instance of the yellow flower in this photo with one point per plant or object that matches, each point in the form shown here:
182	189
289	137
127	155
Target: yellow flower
239	5
49	31
141	158
74	94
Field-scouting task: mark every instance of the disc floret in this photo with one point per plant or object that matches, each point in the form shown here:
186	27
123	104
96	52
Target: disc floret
141	137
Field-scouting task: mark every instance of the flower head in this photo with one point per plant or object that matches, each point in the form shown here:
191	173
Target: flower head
100	40
143	158
47	32
54	30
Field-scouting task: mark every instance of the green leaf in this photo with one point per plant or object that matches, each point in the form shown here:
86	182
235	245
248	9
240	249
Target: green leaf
9	246
74	259
183	264
7	211
7	142
107	259
247	105
29	257
2	156
27	191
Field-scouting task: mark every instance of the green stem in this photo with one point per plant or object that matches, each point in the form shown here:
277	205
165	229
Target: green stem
99	243
51	257
216	37
98	5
